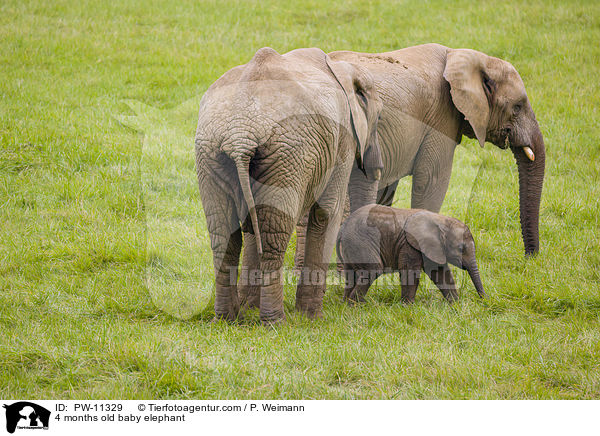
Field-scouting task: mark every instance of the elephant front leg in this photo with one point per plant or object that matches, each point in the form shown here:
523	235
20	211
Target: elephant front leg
431	172
321	233
301	237
251	276
443	279
409	282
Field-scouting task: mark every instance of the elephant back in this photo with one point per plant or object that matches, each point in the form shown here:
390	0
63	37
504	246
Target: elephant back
268	91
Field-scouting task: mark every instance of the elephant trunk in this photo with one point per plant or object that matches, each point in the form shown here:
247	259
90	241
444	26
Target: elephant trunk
361	190
473	271
531	179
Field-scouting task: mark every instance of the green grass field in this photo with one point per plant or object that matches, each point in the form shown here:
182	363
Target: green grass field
105	270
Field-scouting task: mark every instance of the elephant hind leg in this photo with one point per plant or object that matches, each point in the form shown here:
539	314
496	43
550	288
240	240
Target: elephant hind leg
226	296
301	237
300	242
276	227
250	279
364	276
431	172
226	243
350	280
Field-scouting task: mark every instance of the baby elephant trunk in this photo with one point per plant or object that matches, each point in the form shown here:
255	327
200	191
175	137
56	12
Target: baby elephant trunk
474	274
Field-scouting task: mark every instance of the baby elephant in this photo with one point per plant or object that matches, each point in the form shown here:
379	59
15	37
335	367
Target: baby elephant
377	239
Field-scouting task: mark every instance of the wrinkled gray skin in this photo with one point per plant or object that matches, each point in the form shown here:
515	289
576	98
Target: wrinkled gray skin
276	139
433	95
378	239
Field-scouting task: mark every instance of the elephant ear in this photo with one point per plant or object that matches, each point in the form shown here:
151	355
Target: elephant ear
424	232
353	83
471	88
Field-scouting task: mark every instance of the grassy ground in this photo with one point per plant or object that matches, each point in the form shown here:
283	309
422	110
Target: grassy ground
105	273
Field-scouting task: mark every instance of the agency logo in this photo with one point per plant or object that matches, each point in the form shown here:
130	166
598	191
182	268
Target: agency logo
26	415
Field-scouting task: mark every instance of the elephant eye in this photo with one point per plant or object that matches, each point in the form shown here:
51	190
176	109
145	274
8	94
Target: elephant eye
516	109
362	97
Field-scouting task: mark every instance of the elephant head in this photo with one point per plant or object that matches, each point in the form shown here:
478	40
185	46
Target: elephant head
491	95
443	239
365	108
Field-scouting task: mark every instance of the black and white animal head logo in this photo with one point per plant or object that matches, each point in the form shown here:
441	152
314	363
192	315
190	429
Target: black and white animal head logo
26	415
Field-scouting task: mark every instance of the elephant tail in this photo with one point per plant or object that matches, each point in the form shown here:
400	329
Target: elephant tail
242	163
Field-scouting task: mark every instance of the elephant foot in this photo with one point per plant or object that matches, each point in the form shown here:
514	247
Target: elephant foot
350	301
228	317
311	311
309	300
407	301
272	317
273	320
450	295
227	306
271	302
354	300
312	308
348	289
250	297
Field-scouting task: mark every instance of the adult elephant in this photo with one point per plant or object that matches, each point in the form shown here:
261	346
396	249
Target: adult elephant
433	95
277	138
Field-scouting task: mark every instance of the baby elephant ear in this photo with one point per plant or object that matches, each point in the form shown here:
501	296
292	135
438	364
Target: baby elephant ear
423	233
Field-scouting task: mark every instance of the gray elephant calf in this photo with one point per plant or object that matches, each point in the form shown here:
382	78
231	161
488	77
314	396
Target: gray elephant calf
378	239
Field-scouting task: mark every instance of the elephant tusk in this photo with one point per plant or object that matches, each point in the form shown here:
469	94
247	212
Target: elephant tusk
529	152
377	174
506	143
